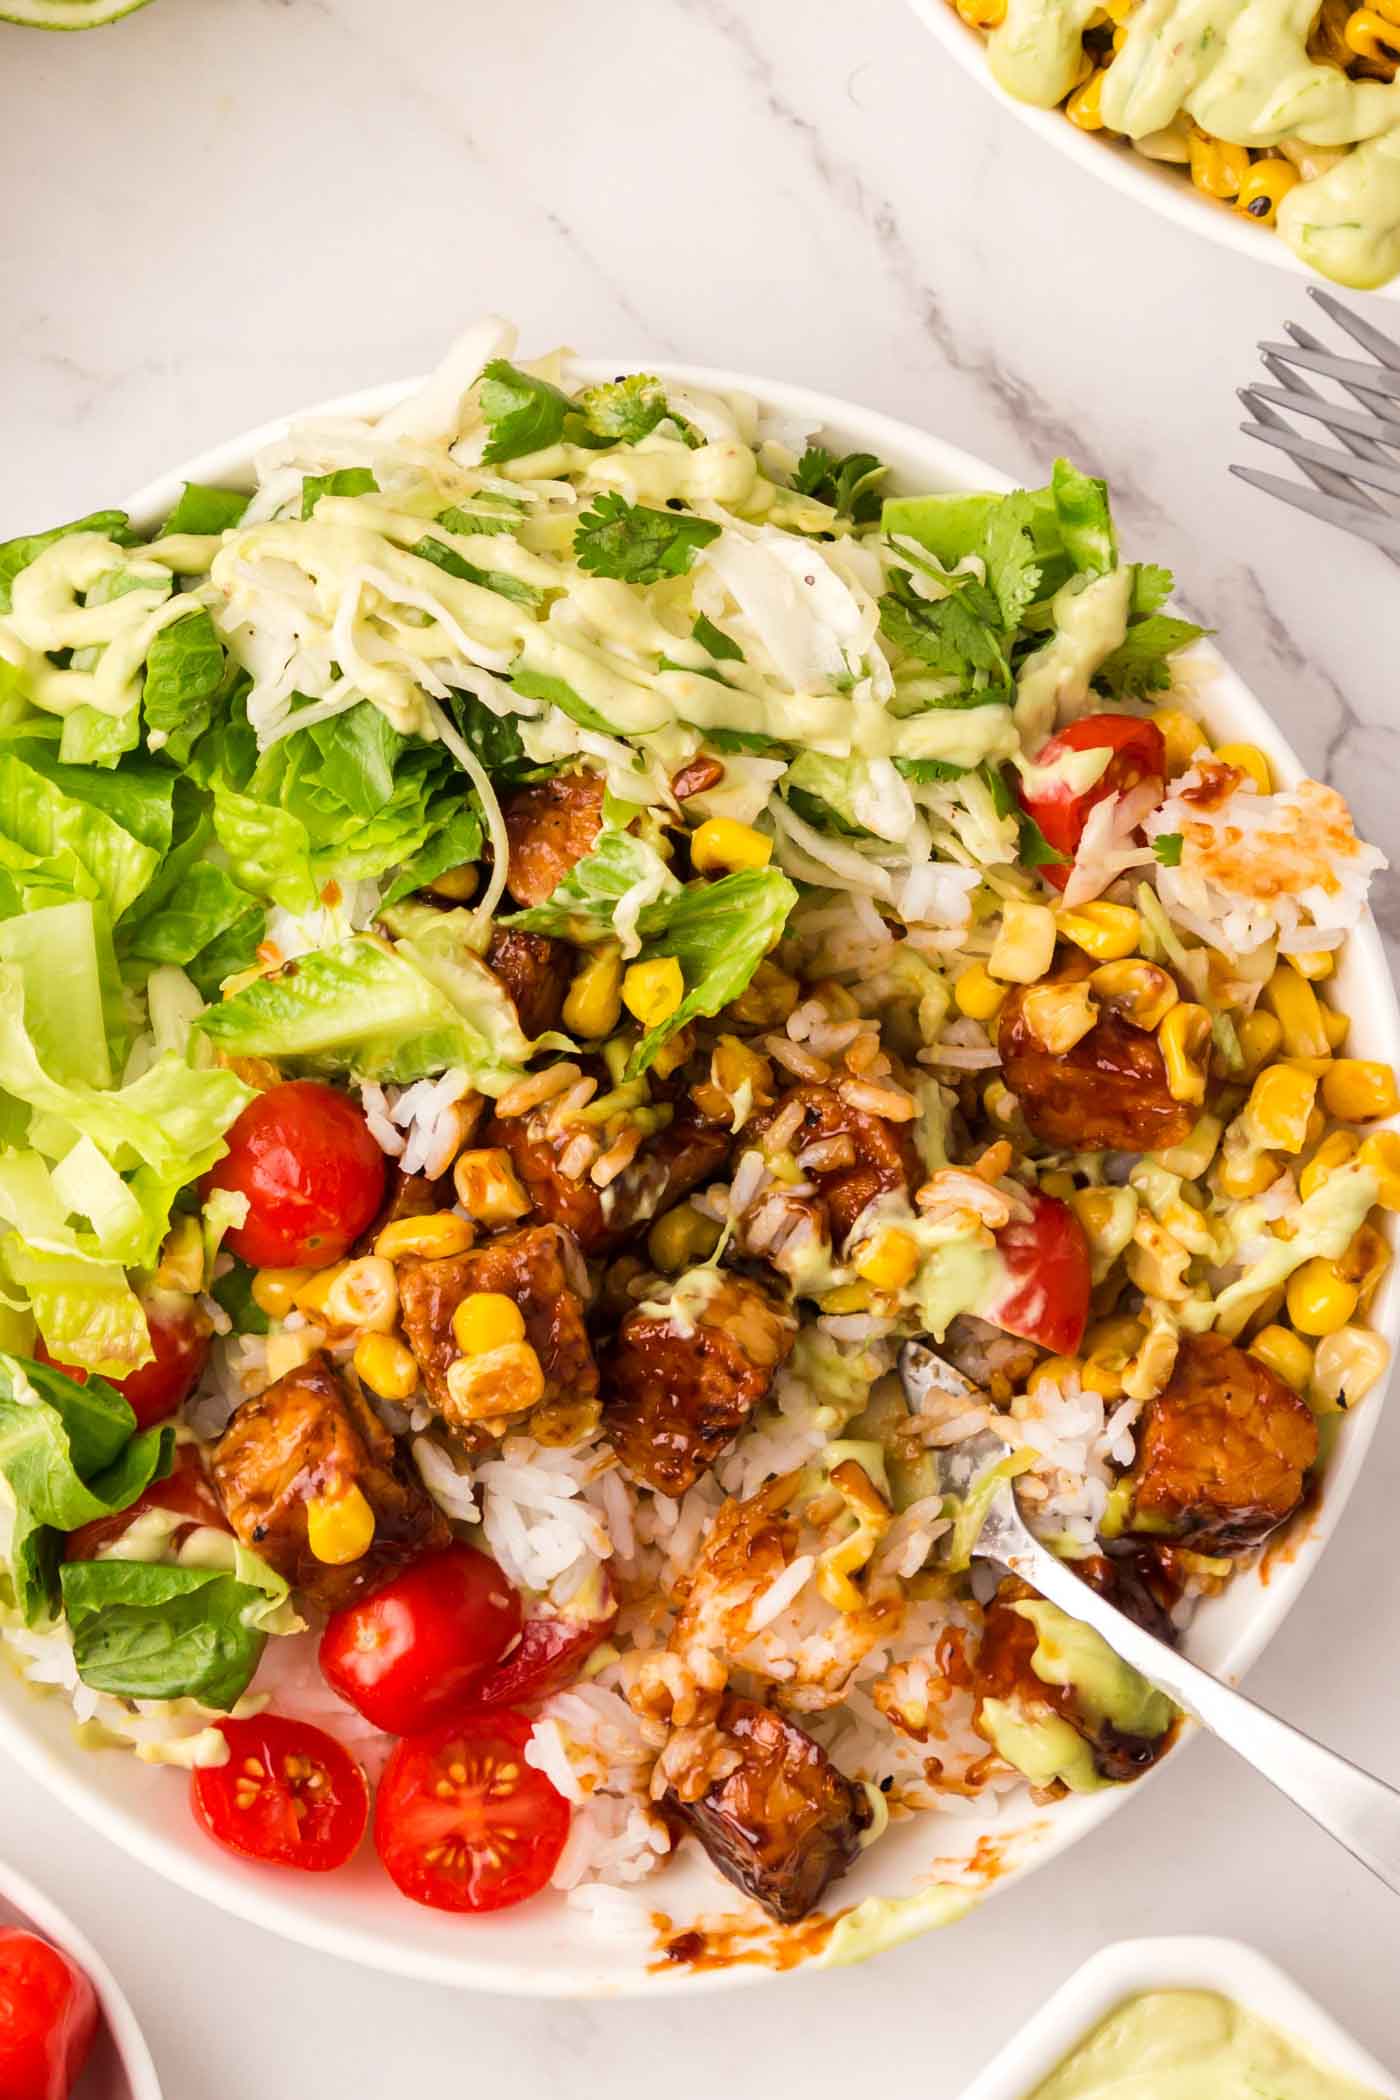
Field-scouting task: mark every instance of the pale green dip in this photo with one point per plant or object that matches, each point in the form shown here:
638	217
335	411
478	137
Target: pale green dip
1193	2045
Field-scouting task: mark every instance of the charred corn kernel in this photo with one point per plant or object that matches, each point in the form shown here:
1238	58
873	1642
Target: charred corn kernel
439	1234
1280	1103
682	1237
766	1000
1335	1025
1360	1090
1217	167
1345	1367
1025	944
487	1320
499	1382
312	1295
458	885
1367	32
487	1187
982	14
846	1298
1156	1261
1148	1372
1293	1002
593	1007
1138	991
1365	1261
388	1368
977	994
720	842
1183	1038
1082	107
1249	759
1054	1370
1057	1184
1107	1217
652	991
1264	189
364	1293
1319	1298
888	1261
1108	932
1381	1152
1244	1172
1109	1347
1314	964
181	1266
1059	1015
673	1054
734	1066
1259	1038
1184	738
1192	1157
1284	1353
276	1291
1333	1152
339	1528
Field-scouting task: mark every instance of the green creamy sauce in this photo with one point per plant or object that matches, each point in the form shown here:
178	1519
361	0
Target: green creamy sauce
1046	1746
1241	69
1193	2045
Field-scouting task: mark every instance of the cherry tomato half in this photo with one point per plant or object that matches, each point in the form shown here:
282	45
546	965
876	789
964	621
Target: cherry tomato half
1139	753
1046	1258
552	1649
462	1823
48	2018
186	1490
180	1337
290	1795
303	1156
411	1654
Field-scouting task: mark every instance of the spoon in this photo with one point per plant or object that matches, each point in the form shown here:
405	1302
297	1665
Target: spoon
1357	1809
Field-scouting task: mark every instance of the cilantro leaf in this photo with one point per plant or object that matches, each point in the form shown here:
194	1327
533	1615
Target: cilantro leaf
957	636
346	481
1167	847
623	410
453	564
636	544
924	771
1013	572
850	485
502	515
719	644
1152	586
1035	849
525	414
1138	665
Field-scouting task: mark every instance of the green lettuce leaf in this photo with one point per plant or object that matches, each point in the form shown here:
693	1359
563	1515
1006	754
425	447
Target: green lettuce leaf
143	1630
77	830
93	738
186	675
18	554
581	907
345	481
202	511
719	932
1086	526
459	841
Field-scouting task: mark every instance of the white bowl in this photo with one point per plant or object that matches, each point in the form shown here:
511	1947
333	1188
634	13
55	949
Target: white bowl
1188	1964
120	2066
1162	188
547	1949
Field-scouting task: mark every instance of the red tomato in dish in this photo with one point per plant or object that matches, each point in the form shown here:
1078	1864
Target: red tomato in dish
462	1823
48	2018
303	1156
290	1795
185	1489
1139	753
552	1650
412	1654
1046	1258
180	1337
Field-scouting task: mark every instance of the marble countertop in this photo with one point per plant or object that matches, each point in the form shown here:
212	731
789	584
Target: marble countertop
223	209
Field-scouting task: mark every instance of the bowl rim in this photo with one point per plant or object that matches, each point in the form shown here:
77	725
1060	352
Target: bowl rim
122	2024
1149	183
256	1896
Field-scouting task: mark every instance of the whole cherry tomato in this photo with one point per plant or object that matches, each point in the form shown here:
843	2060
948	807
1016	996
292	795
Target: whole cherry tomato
1138	753
552	1649
290	1795
411	1654
48	2018
303	1156
185	1490
180	1337
462	1823
1046	1260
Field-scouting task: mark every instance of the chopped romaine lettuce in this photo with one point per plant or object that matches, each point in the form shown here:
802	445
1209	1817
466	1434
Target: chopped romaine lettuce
145	1630
620	872
719	932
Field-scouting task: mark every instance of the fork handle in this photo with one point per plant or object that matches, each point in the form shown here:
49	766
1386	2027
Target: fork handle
1353	1806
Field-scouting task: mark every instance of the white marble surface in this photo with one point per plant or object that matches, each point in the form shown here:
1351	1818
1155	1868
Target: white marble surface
222	209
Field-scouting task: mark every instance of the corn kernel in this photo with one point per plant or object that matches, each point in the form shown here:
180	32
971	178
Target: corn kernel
593	1007
1264	189
1059	1015
440	1234
888	1261
977	994
1364	1262
1293	1002
1058	1184
766	1000
486	1320
1284	1353
487	1187
501	1382
1381	1152
1279	1106
181	1266
1250	760
1108	932
1192	1157
680	1238
275	1291
1109	1347
1345	1368
312	1296
1183	1038
364	1293
1245	1172
1333	1152
1139	991
1259	1038
1360	1090
673	1053
652	991
720	842
982	14
1054	1371
1184	738
1314	964
1335	1026
388	1368
846	1298
1082	108
339	1528
740	1081
1320	1300
457	885
1217	166
1025	944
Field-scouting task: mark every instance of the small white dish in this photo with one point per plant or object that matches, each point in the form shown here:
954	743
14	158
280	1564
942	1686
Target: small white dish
1179	1964
120	2067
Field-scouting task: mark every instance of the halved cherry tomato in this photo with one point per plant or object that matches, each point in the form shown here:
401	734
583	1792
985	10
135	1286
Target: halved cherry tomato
1046	1258
290	1795
303	1156
186	1490
410	1655
48	2018
1139	753
552	1650
461	1822
180	1337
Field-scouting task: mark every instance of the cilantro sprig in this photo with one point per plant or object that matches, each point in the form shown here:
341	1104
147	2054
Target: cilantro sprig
636	544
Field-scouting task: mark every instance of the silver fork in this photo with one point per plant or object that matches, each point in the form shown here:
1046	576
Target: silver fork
1357	487
1353	1806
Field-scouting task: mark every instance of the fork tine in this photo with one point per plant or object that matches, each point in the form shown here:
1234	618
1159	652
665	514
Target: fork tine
1332	482
1367	525
1375	404
1348	370
1383	348
1343	422
1369	471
